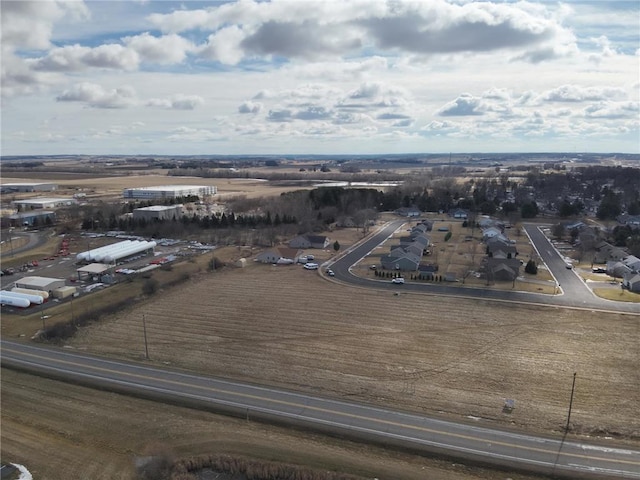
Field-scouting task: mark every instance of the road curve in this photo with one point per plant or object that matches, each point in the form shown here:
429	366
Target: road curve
576	297
361	422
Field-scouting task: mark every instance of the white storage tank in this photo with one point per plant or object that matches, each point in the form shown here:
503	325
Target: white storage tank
42	293
13	301
35	299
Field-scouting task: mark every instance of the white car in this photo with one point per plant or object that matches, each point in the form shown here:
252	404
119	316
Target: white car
311	266
330	273
398	280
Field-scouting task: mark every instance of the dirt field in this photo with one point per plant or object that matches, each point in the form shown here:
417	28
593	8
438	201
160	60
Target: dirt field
449	356
113	186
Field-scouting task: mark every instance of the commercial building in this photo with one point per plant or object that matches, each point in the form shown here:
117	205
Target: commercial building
27	187
169	191
43	203
46	284
158	212
29	219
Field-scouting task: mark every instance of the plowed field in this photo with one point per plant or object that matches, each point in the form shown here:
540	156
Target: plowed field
437	355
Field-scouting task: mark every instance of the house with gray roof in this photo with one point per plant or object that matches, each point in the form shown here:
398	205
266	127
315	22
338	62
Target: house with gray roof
632	262
400	260
408	212
631	282
502	269
605	252
309	241
281	255
617	269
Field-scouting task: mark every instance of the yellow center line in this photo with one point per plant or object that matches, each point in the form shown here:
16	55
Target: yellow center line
326	410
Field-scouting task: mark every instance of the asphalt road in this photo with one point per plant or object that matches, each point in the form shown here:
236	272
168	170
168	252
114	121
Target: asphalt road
388	427
573	292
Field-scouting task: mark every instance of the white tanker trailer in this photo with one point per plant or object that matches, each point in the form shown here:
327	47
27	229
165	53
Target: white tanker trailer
13	301
36	299
28	291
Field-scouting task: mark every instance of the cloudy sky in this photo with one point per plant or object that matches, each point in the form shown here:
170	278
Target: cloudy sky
319	77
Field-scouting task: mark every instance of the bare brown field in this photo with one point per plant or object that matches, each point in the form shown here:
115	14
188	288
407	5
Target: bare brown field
456	357
110	186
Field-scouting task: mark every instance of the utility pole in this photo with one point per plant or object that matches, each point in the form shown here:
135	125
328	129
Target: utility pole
573	386
144	330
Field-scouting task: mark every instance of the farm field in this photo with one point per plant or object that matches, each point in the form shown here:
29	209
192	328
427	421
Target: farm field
113	186
445	356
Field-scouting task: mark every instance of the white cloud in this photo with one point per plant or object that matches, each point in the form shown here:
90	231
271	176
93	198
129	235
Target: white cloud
578	93
29	24
224	46
164	50
289	76
250	107
76	58
177	102
94	95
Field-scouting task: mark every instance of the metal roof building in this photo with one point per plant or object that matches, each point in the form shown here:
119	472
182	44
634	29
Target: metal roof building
28	187
169	191
40	283
44	202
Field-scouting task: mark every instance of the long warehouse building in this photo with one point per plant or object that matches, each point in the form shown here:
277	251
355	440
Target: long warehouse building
169	191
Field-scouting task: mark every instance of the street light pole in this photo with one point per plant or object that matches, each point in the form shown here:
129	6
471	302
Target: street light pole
573	386
144	330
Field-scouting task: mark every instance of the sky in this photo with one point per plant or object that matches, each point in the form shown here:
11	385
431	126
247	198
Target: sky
319	77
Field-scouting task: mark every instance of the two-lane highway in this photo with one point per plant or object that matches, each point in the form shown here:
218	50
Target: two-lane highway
356	421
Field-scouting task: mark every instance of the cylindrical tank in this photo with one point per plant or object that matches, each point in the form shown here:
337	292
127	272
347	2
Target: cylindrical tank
14	301
98	254
37	299
127	252
89	255
42	293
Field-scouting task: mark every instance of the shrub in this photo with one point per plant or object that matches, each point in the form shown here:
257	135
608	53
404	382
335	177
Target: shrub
531	267
447	237
150	286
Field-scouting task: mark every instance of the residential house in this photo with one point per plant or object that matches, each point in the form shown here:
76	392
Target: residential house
400	260
408	212
309	241
427	223
605	252
632	282
414	248
617	269
459	213
492	232
488	222
421	239
632	262
279	255
497	250
502	269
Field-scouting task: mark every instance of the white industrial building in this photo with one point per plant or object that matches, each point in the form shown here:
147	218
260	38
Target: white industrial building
42	202
27	187
110	254
45	284
169	191
158	212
